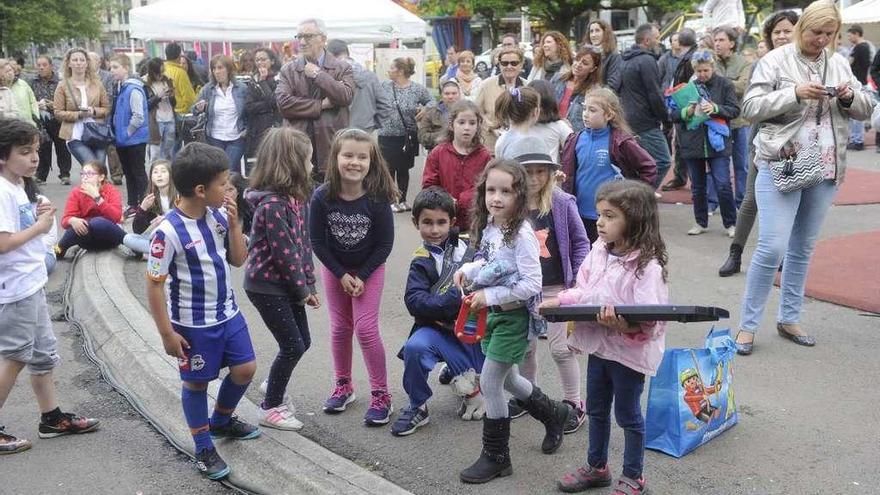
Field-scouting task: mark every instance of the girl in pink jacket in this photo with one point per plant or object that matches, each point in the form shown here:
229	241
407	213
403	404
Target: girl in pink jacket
627	265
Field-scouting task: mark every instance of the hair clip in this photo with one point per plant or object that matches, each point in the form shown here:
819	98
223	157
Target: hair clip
515	92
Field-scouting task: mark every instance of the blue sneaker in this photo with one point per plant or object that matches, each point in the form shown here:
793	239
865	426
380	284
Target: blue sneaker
211	465
236	429
409	420
380	409
342	396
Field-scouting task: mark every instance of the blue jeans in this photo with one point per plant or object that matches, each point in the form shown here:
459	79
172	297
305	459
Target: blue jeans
856	131
84	153
424	349
165	149
607	382
740	144
234	151
788	225
720	172
103	234
654	142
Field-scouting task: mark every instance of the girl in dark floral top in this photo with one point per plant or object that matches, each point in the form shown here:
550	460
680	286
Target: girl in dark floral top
280	275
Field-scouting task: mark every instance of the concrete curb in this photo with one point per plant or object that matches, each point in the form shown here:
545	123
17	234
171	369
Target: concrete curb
122	334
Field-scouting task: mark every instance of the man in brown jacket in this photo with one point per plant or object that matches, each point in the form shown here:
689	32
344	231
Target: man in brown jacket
314	92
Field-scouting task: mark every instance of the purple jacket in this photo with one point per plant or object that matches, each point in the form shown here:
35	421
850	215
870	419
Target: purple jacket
570	234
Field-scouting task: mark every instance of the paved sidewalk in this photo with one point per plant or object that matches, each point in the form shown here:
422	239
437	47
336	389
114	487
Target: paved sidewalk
808	421
126	455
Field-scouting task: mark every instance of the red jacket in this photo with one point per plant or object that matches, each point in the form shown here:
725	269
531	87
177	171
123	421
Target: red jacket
457	174
81	205
633	160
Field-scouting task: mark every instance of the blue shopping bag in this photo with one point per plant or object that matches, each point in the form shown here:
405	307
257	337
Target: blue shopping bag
691	398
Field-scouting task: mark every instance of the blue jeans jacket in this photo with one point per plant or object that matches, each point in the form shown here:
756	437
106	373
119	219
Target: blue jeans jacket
239	94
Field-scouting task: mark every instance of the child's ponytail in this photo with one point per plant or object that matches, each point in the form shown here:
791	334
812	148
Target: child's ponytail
516	106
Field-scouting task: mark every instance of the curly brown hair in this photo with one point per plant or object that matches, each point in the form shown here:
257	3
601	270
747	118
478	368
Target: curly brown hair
563	47
639	206
479	212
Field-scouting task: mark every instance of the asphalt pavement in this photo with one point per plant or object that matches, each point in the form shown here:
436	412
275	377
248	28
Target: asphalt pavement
125	456
808	419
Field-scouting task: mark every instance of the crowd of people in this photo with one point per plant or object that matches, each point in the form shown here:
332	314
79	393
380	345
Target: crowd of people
539	190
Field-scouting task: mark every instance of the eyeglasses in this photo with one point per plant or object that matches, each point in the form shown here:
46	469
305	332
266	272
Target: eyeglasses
509	63
306	36
261	59
86	173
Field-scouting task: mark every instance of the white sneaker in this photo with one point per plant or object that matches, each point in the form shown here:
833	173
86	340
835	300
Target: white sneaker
696	230
280	418
395	208
265	386
731	232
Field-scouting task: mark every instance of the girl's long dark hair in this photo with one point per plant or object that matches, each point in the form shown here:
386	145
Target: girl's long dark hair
639	206
549	107
479	212
152	189
378	183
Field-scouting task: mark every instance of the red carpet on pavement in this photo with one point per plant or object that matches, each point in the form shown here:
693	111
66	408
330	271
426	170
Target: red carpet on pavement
861	187
845	271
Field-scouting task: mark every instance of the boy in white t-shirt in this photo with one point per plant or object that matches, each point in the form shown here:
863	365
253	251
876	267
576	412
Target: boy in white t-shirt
26	337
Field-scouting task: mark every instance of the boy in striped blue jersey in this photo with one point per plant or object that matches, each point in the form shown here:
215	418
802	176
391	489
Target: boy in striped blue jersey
190	293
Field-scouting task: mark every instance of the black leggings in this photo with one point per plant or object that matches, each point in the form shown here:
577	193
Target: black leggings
399	162
133	166
286	319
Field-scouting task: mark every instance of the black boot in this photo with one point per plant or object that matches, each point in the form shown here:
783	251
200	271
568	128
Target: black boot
494	460
733	263
553	414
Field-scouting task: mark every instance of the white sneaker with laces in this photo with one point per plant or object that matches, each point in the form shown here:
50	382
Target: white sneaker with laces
696	230
280	418
731	232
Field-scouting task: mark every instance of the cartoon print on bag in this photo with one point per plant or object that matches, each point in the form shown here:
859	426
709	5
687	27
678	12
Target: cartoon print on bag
696	396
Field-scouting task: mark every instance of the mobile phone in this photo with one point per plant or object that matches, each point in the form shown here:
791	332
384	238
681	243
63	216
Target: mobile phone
831	91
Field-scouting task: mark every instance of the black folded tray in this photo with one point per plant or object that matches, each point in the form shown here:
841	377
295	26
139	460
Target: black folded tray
648	312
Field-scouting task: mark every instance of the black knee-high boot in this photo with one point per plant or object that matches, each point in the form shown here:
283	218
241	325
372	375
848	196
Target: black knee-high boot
494	460
554	416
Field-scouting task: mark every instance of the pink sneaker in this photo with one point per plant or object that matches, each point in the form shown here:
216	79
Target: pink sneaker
380	409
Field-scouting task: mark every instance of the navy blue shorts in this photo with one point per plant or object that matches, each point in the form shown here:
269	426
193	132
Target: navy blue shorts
213	348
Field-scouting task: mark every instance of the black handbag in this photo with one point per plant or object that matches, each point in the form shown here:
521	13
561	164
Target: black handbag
411	138
95	134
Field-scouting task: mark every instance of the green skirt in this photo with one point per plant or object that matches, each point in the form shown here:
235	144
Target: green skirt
507	336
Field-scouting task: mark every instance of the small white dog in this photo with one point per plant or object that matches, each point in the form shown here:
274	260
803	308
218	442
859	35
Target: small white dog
467	386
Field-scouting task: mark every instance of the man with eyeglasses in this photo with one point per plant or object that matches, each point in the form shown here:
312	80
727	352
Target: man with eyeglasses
314	92
509	40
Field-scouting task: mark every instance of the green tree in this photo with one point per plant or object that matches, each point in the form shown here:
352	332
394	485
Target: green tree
48	21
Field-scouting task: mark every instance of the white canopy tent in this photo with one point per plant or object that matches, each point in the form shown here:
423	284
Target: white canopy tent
866	14
368	21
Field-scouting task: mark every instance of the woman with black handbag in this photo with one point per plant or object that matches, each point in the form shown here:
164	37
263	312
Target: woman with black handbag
398	136
802	96
81	104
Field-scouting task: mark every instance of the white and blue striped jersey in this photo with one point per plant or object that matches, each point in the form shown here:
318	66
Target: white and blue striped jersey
189	255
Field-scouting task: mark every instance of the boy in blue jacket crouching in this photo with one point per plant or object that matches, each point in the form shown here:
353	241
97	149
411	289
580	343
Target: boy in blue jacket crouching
434	302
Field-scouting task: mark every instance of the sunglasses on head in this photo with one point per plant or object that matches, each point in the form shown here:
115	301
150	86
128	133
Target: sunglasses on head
509	63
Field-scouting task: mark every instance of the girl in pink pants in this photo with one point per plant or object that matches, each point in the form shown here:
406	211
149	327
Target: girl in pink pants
352	232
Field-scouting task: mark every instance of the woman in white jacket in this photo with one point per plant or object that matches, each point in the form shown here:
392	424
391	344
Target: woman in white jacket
801	96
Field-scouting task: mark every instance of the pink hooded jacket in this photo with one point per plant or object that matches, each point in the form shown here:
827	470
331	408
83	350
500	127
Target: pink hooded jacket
604	279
